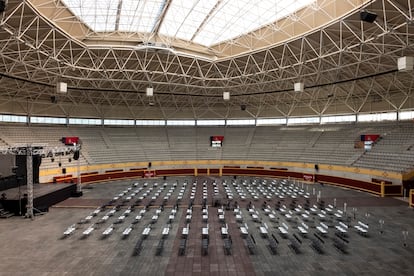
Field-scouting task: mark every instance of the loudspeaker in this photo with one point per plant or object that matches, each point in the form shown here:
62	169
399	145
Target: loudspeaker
149	164
53	99
2	5
76	155
165	177
63	170
405	63
21	167
61	87
368	16
150	91
37	160
316	167
299	87
226	96
243	107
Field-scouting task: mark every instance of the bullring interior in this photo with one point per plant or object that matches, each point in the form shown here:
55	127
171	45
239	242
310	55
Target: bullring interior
187	137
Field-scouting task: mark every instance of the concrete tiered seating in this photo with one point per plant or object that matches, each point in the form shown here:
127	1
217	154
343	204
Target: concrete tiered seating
326	144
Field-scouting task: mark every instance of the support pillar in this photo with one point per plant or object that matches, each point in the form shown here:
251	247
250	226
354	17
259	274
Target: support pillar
29	177
78	181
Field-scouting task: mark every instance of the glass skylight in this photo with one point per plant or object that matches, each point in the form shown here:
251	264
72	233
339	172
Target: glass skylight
100	18
206	22
139	16
234	18
184	17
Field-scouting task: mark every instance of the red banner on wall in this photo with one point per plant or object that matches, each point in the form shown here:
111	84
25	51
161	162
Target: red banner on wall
370	137
308	177
70	140
217	138
216	141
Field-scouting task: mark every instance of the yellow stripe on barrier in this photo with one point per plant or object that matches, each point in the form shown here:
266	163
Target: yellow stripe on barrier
253	172
194	163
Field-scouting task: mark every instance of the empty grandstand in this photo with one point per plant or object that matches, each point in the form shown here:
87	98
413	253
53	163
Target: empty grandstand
237	137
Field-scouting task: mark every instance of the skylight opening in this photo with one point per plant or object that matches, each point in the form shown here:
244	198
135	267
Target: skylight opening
200	21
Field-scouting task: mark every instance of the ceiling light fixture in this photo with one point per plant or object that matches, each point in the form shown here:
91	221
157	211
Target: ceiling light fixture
150	91
299	87
226	96
405	63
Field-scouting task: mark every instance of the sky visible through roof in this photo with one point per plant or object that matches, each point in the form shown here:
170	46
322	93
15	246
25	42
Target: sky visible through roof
205	22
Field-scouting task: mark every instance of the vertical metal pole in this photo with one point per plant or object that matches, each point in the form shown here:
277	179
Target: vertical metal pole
78	182
29	173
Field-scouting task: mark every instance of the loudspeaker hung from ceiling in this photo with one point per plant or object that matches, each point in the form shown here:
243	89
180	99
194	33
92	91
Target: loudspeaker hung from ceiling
2	5
368	16
61	88
150	94
299	87
226	96
405	64
150	91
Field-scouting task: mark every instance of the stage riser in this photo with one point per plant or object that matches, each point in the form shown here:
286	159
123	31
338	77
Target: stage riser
41	202
8	183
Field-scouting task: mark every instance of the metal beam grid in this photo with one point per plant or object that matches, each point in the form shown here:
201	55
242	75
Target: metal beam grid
348	66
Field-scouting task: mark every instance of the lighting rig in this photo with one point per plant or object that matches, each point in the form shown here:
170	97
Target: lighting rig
43	151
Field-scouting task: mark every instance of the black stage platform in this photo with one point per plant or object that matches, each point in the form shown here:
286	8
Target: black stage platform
44	195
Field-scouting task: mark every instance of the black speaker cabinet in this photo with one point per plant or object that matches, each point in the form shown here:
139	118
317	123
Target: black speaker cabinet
368	16
2	5
76	155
